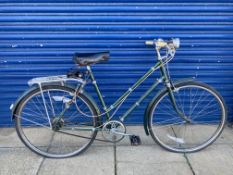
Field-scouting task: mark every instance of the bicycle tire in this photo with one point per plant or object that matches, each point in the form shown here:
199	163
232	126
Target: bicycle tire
30	143
173	139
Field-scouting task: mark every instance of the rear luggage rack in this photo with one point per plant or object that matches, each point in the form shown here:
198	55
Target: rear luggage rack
54	79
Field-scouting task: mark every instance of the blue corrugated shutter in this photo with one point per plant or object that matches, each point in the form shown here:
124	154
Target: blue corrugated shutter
38	39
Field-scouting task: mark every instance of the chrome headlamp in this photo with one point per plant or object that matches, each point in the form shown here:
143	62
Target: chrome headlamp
176	42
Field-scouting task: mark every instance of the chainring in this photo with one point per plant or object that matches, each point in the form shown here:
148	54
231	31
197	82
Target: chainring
113	131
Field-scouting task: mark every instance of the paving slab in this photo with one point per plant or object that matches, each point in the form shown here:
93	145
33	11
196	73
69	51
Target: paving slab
96	160
226	136
169	168
215	160
100	143
18	161
147	154
9	138
148	160
6	131
137	130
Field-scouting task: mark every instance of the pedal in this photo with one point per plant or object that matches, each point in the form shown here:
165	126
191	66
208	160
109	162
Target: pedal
135	140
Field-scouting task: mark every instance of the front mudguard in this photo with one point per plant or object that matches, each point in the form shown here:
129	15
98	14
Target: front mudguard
16	104
149	106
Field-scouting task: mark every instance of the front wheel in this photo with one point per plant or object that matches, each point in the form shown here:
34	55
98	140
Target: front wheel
61	129
201	104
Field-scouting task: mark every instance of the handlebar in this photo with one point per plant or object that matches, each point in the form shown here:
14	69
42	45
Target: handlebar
150	43
160	43
170	47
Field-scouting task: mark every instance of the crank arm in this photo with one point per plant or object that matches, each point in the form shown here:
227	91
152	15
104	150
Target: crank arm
120	133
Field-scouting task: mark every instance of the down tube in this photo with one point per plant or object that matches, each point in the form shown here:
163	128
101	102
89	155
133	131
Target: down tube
132	88
141	98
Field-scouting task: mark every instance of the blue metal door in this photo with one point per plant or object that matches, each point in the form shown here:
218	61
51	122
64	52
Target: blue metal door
38	39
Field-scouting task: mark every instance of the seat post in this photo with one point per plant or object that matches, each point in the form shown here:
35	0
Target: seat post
98	91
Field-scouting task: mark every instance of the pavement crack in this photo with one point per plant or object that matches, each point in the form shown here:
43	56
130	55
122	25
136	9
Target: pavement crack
115	159
41	163
189	164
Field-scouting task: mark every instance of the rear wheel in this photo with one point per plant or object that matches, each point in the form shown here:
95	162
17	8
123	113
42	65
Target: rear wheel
48	134
201	104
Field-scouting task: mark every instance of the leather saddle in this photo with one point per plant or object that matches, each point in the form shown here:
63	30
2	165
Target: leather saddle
85	59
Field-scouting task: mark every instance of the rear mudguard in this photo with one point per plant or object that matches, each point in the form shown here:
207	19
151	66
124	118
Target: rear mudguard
149	106
16	104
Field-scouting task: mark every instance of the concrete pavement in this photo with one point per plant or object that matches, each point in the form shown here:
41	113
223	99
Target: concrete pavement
119	159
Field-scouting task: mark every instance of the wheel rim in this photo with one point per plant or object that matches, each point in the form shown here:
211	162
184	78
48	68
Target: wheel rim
34	125
201	105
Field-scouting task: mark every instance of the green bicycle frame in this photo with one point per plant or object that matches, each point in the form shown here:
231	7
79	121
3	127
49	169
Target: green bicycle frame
164	78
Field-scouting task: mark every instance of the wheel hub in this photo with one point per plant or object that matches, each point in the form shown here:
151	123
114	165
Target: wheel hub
57	123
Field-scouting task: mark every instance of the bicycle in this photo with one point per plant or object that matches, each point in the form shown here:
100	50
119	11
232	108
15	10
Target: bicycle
57	120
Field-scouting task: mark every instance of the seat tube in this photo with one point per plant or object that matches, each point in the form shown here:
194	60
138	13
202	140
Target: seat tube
98	91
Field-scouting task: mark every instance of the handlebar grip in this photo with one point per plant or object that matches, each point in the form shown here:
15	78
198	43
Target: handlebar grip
150	43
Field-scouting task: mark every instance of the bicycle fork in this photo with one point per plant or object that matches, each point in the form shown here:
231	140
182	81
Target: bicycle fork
171	94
